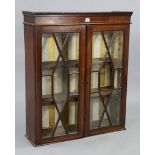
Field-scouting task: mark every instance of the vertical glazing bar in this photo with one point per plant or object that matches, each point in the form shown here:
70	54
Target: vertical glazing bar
52	86
111	77
65	112
68	93
99	72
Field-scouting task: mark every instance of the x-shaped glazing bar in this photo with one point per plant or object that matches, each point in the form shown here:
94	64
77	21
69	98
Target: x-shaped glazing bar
108	48
104	110
60	118
60	52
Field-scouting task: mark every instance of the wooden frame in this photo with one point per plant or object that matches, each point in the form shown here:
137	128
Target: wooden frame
36	23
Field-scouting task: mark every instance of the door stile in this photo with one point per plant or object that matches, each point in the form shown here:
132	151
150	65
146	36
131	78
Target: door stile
87	78
125	75
82	78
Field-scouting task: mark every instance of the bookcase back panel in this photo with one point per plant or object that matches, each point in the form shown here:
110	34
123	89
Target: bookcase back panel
106	72
60	83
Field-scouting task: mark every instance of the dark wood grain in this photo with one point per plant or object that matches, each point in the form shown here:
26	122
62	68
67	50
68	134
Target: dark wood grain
30	81
53	18
116	13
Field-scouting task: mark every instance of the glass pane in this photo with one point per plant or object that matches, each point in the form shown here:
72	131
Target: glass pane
117	78
106	73
114	106
94	81
73	83
116	49
98	50
96	109
60	83
105	76
73	110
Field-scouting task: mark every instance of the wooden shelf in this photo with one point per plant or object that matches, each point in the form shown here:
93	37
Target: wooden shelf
71	72
117	64
60	98
74	70
104	91
97	61
46	132
95	124
51	64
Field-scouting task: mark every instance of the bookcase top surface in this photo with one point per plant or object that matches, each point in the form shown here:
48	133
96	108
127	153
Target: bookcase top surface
114	13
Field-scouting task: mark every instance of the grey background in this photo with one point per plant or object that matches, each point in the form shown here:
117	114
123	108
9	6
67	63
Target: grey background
118	143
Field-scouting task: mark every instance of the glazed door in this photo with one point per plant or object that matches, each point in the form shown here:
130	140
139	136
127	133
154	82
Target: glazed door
106	78
62	59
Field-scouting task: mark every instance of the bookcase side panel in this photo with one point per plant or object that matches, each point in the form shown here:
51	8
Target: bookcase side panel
125	74
30	82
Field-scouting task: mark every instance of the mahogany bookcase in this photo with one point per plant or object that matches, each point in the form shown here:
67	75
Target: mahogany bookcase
76	67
